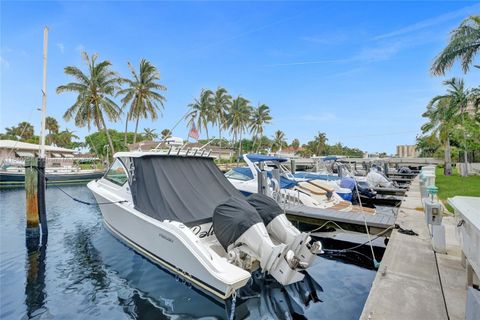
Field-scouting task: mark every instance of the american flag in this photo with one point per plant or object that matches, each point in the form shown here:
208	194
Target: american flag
193	133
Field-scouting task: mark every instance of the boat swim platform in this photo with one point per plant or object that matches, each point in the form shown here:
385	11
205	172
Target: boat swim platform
412	281
351	220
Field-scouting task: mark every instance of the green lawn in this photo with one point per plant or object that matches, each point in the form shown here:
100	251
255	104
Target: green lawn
456	185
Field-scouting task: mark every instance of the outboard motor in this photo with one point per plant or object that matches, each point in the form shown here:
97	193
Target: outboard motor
404	170
240	230
283	231
376	179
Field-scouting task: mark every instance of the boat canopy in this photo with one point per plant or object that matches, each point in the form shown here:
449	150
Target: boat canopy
262	158
179	188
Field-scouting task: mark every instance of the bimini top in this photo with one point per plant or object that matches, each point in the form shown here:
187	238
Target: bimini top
262	158
179	188
330	158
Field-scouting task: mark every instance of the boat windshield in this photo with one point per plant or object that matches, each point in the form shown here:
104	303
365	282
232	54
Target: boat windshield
235	175
117	173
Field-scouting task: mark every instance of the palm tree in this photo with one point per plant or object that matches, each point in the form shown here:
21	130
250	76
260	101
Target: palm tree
221	103
260	116
166	133
94	91
320	142
51	124
64	138
279	140
440	113
464	45
238	119
150	134
23	131
295	144
201	111
142	94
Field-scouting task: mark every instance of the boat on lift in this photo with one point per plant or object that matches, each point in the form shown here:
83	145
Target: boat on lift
179	210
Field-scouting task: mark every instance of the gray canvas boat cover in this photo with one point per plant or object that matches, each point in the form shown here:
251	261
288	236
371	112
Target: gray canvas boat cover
267	208
232	218
179	188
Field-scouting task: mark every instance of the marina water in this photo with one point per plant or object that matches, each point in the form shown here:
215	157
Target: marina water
83	272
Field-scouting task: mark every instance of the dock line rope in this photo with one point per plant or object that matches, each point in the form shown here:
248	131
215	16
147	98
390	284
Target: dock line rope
76	199
376	263
232	309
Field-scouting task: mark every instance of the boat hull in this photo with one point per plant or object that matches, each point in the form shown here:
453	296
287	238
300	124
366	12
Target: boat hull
17	179
166	245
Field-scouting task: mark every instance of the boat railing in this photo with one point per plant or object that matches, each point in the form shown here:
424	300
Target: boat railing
179	151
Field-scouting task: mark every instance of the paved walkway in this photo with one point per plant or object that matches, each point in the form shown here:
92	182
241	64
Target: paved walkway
408	284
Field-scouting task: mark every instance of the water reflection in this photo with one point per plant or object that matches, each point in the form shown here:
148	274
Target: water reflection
35	266
87	273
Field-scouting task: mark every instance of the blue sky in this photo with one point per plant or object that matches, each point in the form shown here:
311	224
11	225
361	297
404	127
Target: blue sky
358	71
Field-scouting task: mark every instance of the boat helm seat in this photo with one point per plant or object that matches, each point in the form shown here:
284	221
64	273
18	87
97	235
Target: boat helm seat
312	189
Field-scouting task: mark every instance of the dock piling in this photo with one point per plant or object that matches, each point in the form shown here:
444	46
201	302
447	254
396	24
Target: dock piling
31	192
42	210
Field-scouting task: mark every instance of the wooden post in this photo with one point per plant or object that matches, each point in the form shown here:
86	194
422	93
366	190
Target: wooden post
31	188
385	168
293	166
42	210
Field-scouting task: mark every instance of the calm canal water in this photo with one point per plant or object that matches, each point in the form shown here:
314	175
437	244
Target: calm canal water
83	272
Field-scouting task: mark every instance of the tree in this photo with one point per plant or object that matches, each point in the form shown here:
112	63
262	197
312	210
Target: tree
23	131
201	111
320	143
260	116
295	143
142	94
51	124
166	133
238	119
440	113
279	140
149	134
94	91
464	45
64	138
221	103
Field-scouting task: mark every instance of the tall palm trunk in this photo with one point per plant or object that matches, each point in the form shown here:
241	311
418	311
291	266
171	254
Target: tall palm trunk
110	143
220	135
448	158
136	128
126	130
465	154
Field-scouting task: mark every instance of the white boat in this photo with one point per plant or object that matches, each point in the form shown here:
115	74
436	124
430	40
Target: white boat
182	213
316	194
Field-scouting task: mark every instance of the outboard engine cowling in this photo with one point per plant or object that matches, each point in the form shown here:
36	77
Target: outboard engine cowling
240	230
282	230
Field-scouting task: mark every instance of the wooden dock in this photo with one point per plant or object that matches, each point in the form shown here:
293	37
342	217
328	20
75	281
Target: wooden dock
348	220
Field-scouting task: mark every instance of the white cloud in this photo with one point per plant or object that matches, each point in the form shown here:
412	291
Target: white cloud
461	13
4	63
61	47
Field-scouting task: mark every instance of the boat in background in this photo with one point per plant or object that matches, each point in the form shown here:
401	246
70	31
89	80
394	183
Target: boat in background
373	189
62	166
319	196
